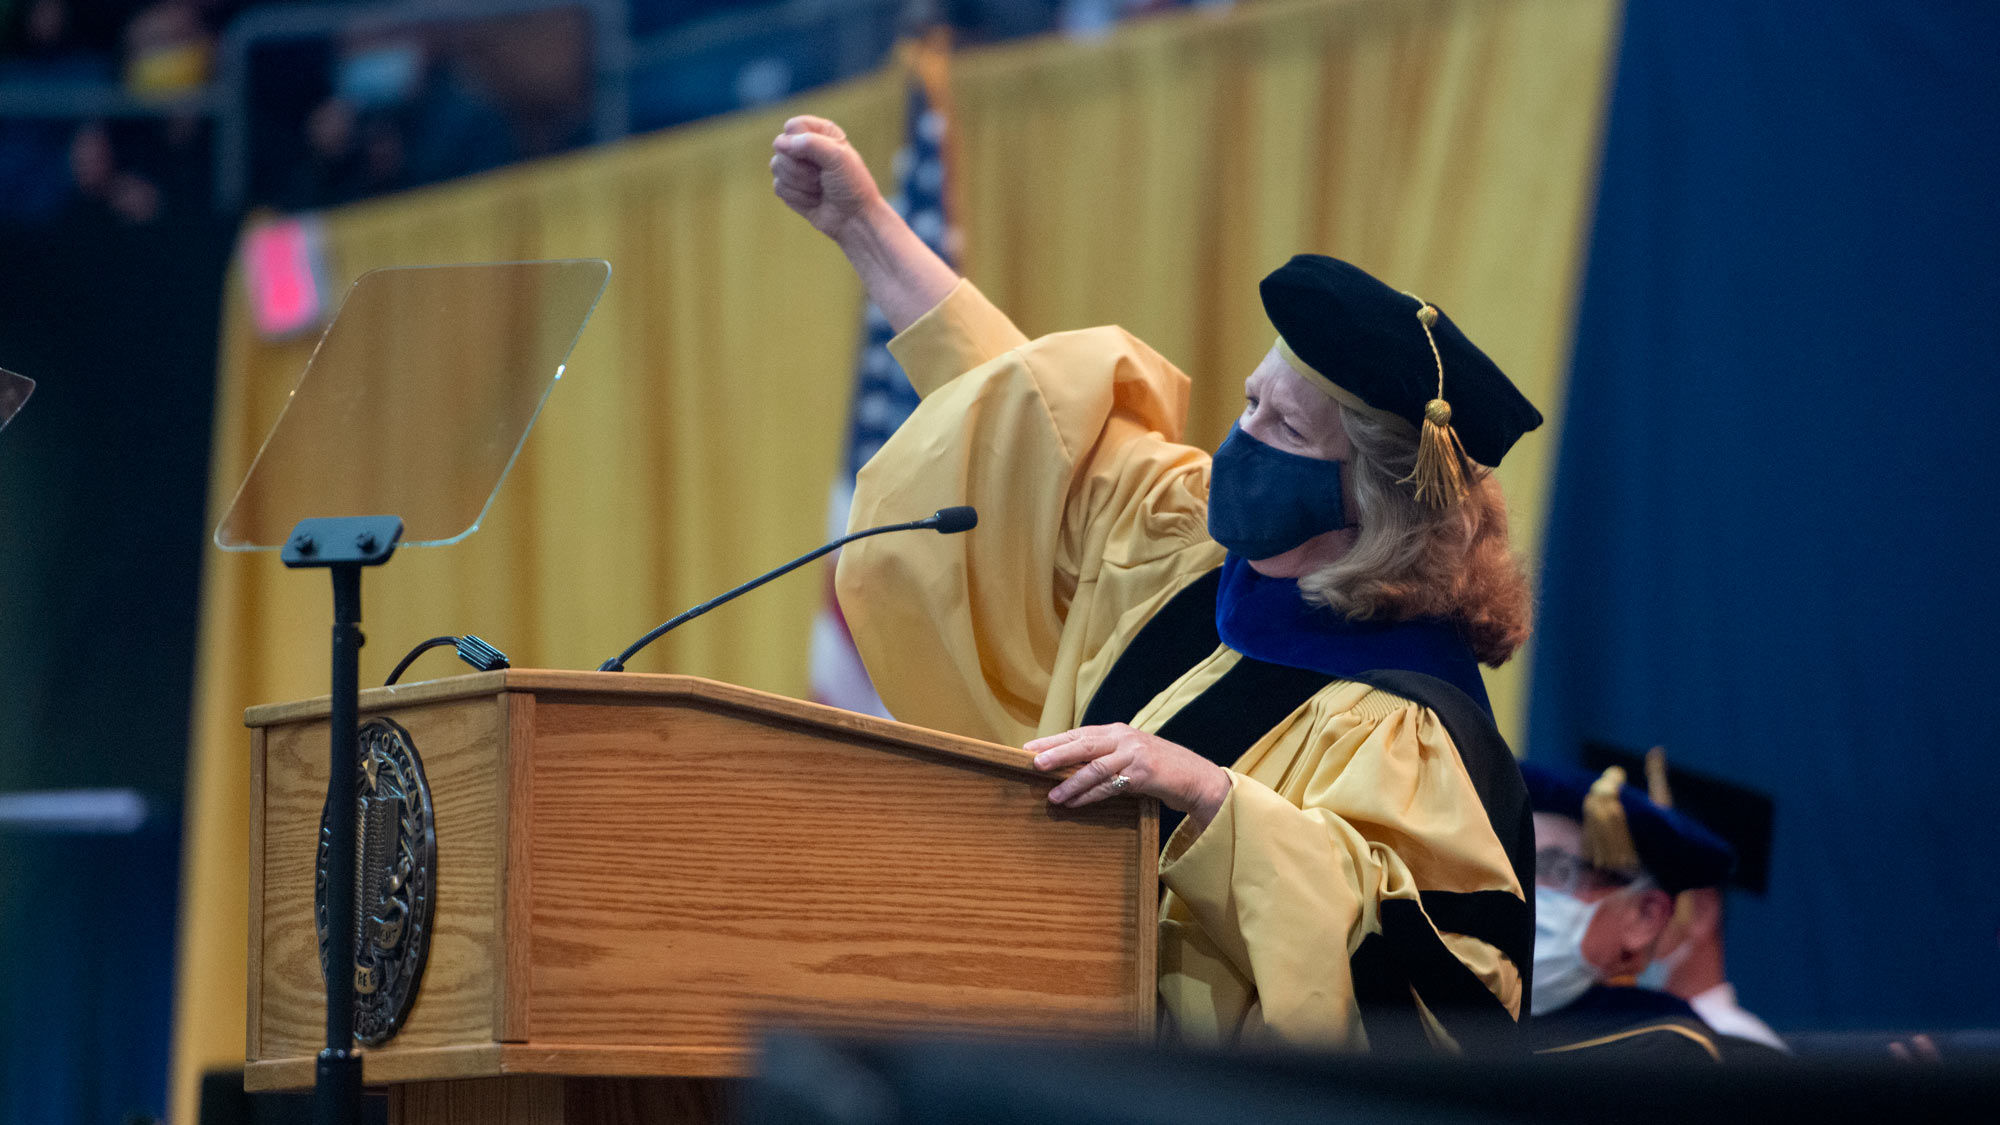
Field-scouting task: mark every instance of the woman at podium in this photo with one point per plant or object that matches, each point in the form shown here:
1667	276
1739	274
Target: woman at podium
1280	641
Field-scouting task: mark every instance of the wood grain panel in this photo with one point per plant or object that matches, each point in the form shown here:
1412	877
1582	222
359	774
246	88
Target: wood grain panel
458	741
480	1101
530	1100
629	1060
698	870
381	700
1145	963
380	1068
487	1060
253	1029
511	967
663	690
648	1101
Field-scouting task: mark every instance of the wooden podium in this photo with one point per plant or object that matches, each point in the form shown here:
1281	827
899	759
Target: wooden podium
635	872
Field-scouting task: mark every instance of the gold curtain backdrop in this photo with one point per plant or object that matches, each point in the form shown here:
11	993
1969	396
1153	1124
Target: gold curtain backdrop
1148	178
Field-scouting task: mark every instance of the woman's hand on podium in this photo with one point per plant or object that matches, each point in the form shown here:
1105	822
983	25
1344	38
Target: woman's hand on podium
819	175
1148	764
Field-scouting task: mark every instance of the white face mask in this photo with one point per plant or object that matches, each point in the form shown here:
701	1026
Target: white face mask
1561	973
1656	974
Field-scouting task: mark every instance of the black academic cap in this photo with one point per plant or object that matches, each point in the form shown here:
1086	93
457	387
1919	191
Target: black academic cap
1741	815
1362	340
1676	851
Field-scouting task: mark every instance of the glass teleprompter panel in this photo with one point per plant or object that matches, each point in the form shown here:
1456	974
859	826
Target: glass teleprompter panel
14	391
417	399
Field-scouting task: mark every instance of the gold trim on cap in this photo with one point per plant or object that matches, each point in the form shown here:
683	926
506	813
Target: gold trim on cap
1328	387
1443	472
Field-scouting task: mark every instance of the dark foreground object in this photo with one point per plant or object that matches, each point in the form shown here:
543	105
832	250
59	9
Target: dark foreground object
804	1080
225	1102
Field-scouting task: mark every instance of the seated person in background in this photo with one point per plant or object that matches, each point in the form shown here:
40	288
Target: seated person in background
1608	863
1690	962
1691	967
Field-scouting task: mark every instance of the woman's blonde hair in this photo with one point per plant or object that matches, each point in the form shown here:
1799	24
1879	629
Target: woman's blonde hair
1409	560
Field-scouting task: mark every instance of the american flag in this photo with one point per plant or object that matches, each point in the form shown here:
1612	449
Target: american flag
882	394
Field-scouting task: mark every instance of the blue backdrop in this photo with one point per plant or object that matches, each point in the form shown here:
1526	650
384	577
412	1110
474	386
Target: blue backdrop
103	487
1773	536
85	987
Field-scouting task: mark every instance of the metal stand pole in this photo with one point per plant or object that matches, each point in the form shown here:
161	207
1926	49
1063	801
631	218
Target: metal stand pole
337	1078
343	546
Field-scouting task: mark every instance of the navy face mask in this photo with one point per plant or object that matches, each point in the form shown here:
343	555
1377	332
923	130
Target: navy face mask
1263	502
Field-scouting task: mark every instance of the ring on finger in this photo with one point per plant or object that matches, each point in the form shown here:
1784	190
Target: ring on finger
1119	783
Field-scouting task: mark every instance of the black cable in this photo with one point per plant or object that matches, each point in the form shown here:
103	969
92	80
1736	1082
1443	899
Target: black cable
434	642
948	521
471	649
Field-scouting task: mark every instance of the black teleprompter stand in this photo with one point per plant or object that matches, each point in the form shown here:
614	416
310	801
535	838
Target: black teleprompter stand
343	545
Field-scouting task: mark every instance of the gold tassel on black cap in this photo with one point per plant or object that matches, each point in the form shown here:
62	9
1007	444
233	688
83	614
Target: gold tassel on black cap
1662	794
1607	838
1657	788
1443	473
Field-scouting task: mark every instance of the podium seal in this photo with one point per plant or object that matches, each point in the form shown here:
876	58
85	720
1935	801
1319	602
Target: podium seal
395	882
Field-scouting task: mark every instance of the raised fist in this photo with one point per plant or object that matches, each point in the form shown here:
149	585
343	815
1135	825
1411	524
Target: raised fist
819	175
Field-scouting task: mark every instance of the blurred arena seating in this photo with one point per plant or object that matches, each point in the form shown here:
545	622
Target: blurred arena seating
145	108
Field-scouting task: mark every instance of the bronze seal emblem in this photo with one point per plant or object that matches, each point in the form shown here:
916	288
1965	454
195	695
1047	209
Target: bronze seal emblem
395	877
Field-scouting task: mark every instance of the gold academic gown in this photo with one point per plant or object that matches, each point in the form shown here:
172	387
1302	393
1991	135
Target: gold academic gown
1091	517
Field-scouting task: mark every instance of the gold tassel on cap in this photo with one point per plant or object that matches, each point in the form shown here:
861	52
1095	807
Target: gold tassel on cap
1661	794
1656	778
1443	473
1607	838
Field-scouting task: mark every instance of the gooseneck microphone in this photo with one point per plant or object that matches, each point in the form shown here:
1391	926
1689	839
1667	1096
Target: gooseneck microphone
948	521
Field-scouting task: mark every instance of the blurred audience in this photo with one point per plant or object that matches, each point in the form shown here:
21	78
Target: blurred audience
75	39
400	114
342	117
154	48
131	169
170	48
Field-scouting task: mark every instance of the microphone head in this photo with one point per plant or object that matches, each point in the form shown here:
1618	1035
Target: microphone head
951	521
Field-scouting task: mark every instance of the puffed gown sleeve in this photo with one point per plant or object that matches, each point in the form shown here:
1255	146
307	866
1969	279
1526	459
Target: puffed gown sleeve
1090	514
